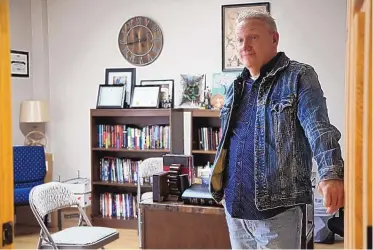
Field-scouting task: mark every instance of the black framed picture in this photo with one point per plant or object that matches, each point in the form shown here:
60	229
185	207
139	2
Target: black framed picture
230	56
146	96
166	98
122	76
111	96
19	63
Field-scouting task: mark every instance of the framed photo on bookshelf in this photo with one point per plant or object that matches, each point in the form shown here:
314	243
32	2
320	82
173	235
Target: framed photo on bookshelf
166	90
146	96
122	76
111	96
229	13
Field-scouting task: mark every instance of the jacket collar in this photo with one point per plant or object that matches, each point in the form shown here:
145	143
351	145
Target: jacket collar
277	63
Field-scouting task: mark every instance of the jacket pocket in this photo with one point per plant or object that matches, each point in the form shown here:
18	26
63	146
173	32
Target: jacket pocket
284	122
283	113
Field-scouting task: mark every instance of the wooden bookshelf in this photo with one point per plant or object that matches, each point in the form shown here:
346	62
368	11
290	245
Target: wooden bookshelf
205	125
113	120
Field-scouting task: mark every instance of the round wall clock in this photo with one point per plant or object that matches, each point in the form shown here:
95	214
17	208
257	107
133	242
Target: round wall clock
140	40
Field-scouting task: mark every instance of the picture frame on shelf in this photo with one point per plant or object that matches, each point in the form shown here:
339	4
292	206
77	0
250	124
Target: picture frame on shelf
111	96
167	91
229	13
192	91
146	96
19	63
125	76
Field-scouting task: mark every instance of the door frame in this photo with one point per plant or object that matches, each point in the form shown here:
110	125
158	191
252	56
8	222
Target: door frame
358	167
6	148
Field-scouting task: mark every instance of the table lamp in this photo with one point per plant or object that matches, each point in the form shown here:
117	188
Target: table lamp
34	112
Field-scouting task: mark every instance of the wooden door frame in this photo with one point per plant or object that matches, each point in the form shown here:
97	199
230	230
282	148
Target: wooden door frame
6	148
358	173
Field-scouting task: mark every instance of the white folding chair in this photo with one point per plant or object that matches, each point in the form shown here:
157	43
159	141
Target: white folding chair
52	196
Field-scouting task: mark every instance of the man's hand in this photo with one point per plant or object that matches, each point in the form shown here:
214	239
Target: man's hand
333	194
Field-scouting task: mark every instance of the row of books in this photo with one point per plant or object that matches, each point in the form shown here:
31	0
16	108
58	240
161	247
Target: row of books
130	137
119	205
209	138
121	170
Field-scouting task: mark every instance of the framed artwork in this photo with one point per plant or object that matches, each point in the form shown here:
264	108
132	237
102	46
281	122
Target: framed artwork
230	60
220	84
19	63
166	91
111	96
146	96
122	76
192	91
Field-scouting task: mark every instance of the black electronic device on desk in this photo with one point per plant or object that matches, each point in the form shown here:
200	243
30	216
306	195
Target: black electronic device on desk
198	194
169	185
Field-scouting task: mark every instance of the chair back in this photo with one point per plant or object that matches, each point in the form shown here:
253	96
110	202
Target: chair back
150	166
147	168
28	164
48	197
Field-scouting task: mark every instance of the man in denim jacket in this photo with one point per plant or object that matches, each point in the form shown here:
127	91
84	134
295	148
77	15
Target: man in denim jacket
274	121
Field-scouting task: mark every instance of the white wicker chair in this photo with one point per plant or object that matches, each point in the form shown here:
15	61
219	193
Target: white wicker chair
147	168
52	196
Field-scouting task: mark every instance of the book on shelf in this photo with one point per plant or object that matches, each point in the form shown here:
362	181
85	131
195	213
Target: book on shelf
132	137
118	205
121	170
208	138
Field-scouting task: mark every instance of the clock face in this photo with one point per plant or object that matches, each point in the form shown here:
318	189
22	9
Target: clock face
140	41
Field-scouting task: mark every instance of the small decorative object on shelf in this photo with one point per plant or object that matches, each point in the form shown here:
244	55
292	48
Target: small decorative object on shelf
192	91
207	98
167	104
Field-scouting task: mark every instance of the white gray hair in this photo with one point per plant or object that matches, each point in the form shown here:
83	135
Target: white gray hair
244	16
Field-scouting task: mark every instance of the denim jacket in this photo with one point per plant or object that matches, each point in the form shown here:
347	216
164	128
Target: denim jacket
292	127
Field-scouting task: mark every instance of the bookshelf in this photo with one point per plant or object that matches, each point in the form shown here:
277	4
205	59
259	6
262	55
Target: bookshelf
118	144
206	133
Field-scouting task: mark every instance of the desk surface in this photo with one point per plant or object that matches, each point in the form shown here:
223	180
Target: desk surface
180	207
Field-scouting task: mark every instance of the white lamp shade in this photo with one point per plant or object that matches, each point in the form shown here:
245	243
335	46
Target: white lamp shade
33	112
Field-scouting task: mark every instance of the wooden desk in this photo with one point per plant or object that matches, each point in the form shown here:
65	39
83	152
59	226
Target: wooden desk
179	226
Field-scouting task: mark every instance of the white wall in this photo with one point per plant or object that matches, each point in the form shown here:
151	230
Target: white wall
20	39
83	42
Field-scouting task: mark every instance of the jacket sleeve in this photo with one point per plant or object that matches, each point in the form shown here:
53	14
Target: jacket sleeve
323	137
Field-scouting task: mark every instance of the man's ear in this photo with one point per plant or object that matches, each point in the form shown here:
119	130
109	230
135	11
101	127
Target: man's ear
276	37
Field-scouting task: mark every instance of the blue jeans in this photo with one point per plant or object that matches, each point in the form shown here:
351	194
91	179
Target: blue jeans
282	231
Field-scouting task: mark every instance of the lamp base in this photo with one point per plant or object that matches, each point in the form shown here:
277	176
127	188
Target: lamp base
35	138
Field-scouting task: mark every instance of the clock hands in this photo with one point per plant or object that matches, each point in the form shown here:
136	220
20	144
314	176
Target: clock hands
138	41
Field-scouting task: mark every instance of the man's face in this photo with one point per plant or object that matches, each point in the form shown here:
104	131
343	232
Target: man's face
256	43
